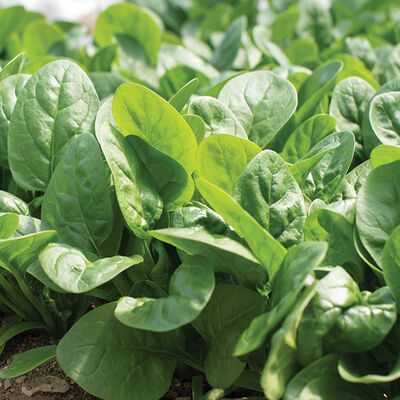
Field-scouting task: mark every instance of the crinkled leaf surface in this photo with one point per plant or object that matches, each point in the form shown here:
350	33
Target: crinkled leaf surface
57	103
262	101
142	366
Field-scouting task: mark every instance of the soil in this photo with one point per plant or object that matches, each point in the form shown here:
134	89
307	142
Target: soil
11	389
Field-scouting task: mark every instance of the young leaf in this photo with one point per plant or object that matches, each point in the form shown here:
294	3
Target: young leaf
226	256
182	96
139	111
131	20
217	117
78	201
57	103
12	204
377	214
13	67
268	250
137	196
222	158
143	367
8	225
73	272
262	101
306	136
10	89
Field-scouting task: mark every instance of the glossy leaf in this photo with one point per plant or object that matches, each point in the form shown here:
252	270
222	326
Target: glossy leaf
217	117
139	111
182	96
12	204
78	202
262	102
287	283
10	88
41	125
306	136
138	199
73	272
377	214
269	193
29	360
269	251
226	256
221	160
190	289
384	154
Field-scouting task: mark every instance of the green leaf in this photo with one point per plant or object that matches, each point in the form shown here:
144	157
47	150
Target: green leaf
13	329
302	52
348	371
287	283
16	254
8	225
217	117
39	37
229	311
10	19
133	21
321	381
334	229
391	264
281	363
182	96
102	60
269	193
13	67
177	77
349	103
106	83
262	102
68	268
143	366
224	55
12	204
327	175
377	214
137	196
197	125
221	159
306	136
269	251
384	119
29	360
226	256
190	289
78	201
384	154
57	103
139	111
10	89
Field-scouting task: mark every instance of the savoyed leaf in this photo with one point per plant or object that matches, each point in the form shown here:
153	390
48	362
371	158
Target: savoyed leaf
78	201
57	103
